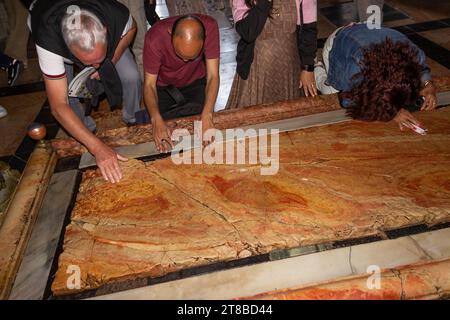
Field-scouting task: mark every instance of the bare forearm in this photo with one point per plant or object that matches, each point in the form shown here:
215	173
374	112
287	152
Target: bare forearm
70	121
151	102
211	91
107	159
124	43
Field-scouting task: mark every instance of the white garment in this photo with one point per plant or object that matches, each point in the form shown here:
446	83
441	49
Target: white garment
320	71
3	112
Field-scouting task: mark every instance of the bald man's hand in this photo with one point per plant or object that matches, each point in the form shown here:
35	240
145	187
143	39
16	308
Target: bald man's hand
162	135
207	124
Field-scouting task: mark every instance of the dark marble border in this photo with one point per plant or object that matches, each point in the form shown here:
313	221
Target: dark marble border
22	89
356	242
17	163
67	164
432	50
5	159
183	274
413	230
427	25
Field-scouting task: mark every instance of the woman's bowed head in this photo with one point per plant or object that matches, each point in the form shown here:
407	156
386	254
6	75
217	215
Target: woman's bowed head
389	82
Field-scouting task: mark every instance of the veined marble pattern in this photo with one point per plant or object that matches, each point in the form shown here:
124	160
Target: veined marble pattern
335	182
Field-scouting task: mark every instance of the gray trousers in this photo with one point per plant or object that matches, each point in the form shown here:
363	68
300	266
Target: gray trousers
361	7
132	90
137	10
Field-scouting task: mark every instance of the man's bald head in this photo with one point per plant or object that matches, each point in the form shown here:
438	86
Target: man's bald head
188	37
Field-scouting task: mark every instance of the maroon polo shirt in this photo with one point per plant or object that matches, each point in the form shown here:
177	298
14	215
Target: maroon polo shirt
160	57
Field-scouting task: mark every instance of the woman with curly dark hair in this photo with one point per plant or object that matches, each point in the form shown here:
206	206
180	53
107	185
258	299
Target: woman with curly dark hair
381	74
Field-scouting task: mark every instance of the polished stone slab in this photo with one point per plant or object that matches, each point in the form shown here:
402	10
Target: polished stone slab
335	182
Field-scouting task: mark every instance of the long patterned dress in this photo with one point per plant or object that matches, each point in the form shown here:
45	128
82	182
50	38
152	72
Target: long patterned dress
274	74
182	7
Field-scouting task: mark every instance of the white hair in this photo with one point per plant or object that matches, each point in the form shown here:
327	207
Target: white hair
82	29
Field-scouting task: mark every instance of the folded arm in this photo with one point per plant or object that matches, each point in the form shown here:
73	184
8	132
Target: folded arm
250	25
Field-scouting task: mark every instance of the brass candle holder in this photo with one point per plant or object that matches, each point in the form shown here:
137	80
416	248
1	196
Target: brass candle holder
38	131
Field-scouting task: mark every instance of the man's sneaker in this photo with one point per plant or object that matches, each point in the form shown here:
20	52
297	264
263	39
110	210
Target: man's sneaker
3	112
130	123
14	72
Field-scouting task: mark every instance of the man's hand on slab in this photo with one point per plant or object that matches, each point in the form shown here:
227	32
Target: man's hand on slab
108	163
207	123
162	135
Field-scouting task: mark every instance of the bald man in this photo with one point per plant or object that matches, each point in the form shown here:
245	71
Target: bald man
181	62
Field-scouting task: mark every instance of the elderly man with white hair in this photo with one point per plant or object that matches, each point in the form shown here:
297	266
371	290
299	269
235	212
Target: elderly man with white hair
94	33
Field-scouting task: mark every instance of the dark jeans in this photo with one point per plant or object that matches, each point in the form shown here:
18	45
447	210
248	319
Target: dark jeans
5	61
177	102
192	95
150	12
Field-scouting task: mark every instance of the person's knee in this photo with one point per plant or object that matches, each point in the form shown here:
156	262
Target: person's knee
130	79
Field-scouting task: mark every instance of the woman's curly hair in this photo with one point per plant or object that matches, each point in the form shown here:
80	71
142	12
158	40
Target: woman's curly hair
389	80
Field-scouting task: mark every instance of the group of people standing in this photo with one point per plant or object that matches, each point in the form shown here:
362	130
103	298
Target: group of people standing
378	72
